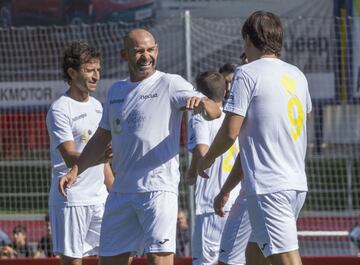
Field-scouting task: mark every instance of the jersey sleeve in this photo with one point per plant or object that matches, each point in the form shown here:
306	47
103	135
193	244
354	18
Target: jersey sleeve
240	93
180	91
199	132
59	126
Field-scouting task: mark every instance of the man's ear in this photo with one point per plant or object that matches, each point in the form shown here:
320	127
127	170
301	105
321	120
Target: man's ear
123	54
71	72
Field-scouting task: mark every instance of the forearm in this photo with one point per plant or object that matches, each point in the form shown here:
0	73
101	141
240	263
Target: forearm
192	172
70	158
94	151
199	151
234	178
219	146
225	137
68	153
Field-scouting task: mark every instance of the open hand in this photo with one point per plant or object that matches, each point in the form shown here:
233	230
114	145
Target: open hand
219	202
68	180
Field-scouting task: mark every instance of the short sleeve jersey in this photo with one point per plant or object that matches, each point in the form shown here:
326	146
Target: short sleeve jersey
204	132
144	119
274	98
71	120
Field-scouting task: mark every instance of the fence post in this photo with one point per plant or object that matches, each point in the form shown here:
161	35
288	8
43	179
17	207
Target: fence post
190	189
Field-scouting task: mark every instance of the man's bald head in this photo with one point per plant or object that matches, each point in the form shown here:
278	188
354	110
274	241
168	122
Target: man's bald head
135	36
140	51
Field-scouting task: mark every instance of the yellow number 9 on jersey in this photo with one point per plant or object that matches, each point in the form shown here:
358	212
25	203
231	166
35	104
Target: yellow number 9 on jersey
296	117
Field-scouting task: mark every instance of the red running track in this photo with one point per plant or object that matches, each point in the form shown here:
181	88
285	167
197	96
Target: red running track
345	260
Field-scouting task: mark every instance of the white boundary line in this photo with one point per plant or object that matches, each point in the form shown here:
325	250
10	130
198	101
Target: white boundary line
323	233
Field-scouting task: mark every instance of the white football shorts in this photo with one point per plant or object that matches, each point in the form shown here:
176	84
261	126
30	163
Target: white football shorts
273	220
236	233
139	222
206	238
76	229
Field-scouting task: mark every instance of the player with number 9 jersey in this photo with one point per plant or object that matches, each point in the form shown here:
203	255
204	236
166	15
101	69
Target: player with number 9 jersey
274	97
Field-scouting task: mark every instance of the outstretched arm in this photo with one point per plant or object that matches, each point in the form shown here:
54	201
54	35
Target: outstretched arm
224	139
93	154
234	178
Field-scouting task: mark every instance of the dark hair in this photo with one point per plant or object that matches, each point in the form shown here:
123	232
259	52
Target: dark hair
75	54
265	32
19	229
212	84
228	68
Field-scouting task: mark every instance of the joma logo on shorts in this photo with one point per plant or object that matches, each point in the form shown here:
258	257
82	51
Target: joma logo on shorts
164	241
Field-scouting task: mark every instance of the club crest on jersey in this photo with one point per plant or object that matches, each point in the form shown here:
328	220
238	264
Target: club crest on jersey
135	120
117	126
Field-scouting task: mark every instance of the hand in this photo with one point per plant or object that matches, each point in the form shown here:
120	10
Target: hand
7	252
196	104
219	202
68	180
204	164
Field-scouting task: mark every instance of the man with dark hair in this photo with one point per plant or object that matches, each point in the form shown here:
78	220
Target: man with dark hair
212	84
20	244
209	226
71	121
269	102
142	117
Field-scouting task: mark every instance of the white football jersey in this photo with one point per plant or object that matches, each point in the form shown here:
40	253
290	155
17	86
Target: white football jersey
204	132
274	98
71	120
144	119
